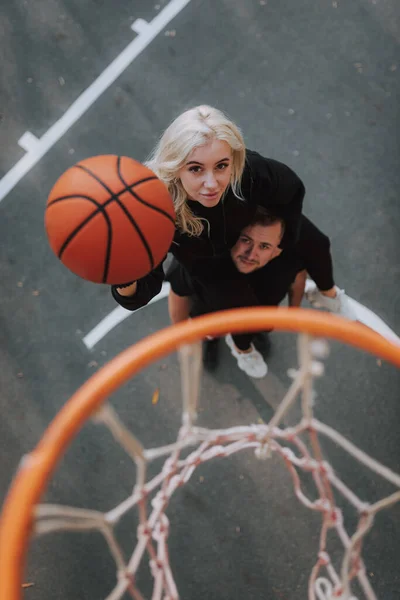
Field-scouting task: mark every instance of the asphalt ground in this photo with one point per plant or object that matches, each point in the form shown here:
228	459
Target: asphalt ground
313	84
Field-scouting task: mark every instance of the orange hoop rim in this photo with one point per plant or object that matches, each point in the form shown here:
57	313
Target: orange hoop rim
36	468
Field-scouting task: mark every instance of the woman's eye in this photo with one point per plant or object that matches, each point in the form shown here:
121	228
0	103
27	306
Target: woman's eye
194	169
222	166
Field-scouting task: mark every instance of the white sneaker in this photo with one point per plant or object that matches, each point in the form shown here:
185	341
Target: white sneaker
339	305
251	363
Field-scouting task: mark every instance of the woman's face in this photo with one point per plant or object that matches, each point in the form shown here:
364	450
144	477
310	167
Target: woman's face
207	172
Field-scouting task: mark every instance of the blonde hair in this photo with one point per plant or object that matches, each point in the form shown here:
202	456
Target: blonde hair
194	128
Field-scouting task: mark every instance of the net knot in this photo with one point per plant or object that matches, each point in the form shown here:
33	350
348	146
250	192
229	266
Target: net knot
324	506
156	566
324	468
323	558
161	529
325	591
161	499
336	516
364	509
263	451
124	575
144	530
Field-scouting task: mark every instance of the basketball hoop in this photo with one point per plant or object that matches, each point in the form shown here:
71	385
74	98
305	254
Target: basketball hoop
23	514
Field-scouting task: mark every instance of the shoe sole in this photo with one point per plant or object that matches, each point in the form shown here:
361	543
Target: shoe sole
253	376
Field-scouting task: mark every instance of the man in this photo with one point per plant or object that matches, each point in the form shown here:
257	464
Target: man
257	273
254	272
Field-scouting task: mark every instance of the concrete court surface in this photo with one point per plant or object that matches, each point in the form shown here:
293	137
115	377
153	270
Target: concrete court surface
314	84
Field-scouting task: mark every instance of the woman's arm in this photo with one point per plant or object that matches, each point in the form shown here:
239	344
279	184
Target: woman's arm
139	292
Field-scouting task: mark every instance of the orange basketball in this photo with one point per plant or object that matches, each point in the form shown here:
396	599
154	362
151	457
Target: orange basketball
109	219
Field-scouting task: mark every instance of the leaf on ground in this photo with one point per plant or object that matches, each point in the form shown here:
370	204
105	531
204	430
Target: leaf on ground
156	396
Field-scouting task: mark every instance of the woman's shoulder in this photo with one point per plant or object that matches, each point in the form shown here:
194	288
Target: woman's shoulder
263	166
262	174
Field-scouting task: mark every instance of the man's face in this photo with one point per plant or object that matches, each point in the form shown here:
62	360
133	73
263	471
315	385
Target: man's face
256	246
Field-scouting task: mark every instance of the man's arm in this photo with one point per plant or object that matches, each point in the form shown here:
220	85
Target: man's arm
296	290
314	248
279	189
139	292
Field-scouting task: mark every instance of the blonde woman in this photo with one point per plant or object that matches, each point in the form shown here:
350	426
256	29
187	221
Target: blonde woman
216	185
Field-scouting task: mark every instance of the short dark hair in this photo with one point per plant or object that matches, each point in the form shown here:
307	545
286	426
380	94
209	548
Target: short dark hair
263	217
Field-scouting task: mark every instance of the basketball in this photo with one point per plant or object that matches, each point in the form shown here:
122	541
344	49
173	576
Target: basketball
109	219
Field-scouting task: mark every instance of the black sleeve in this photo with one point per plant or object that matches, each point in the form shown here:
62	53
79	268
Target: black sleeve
277	188
313	247
147	287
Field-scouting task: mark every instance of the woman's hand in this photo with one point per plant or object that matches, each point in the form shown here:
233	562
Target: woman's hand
129	290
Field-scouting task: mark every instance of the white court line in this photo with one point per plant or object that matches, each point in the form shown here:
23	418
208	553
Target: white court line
371	320
366	316
37	148
119	314
28	141
116	317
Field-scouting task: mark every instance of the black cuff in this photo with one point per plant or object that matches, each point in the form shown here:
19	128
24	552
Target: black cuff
123	285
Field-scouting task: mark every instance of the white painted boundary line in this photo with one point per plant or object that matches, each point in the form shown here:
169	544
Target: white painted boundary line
116	317
37	148
366	316
371	320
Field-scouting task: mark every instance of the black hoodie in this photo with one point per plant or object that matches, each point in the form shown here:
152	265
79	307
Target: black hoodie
265	182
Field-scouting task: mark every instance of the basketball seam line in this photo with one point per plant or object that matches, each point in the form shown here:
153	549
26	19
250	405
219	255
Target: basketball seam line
127	189
71	196
100	210
123	208
138	198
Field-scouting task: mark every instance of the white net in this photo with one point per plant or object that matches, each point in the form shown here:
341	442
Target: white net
297	445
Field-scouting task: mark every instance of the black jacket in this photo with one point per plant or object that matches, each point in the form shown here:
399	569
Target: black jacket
265	182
